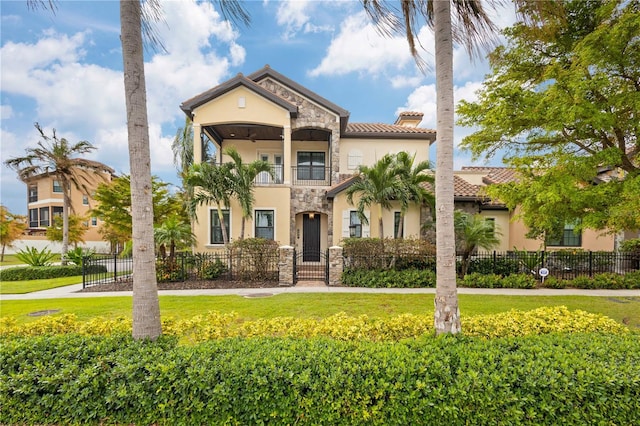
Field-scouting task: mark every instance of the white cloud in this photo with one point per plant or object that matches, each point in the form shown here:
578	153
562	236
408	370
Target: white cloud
6	112
359	47
292	15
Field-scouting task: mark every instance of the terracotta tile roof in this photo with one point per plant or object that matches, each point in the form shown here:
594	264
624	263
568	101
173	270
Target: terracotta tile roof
462	188
494	174
411	114
381	128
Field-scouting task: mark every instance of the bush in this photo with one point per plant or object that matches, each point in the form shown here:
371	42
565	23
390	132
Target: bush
216	325
78	254
553	379
632	245
407	278
46	272
477	280
34	257
213	269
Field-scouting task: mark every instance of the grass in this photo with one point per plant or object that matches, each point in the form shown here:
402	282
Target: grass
28	286
625	310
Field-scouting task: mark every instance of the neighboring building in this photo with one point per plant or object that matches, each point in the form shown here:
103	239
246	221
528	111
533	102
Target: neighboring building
469	196
313	150
45	200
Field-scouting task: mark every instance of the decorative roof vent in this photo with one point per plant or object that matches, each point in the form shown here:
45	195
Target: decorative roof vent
409	119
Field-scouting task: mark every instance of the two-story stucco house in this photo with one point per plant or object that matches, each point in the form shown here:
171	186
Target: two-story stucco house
45	200
313	149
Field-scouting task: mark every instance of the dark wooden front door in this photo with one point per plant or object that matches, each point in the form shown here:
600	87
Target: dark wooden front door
311	238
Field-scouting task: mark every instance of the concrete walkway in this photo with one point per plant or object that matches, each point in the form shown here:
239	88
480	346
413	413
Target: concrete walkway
72	292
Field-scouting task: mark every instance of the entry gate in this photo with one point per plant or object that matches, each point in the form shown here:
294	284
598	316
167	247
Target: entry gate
311	266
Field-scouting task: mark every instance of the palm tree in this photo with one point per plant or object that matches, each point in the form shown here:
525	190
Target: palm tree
214	184
473	231
376	185
146	308
56	157
473	28
412	179
174	233
244	176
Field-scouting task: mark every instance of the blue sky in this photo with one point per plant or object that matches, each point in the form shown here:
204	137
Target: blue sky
64	71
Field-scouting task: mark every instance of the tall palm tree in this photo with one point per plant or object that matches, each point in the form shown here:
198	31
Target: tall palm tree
214	184
146	308
376	185
473	231
412	179
244	176
57	157
473	28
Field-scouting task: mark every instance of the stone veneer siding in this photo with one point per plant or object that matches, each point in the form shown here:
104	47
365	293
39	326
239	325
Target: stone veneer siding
310	115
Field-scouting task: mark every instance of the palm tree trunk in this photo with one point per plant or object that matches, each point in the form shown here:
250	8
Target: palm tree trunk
380	223
146	307
447	312
242	228
66	205
223	226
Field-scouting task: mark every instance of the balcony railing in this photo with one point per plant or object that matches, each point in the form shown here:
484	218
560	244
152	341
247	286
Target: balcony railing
311	175
301	176
276	177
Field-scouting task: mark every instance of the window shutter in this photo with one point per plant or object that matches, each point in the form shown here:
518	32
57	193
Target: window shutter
345	223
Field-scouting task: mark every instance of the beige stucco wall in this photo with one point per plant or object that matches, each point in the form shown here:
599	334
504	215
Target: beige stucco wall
591	240
227	109
501	218
374	149
275	198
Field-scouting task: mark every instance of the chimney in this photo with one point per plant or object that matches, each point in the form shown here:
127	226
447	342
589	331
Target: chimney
409	119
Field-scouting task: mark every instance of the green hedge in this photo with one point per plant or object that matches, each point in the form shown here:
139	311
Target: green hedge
571	379
23	273
389	278
418	278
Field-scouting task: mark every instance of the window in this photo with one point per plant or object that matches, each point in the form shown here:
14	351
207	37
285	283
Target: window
567	238
94	221
355	226
33	193
311	166
56	211
44	216
491	222
264	224
85	200
397	217
57	187
33	218
216	229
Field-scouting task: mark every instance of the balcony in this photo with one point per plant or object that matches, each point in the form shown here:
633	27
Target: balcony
311	175
275	178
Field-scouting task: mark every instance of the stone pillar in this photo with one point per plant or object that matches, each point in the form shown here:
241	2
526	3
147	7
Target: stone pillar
286	270
336	265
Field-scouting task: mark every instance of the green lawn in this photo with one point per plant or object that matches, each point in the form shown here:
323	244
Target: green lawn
21	287
622	309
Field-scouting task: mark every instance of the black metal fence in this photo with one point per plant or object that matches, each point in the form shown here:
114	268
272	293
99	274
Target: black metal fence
561	264
260	267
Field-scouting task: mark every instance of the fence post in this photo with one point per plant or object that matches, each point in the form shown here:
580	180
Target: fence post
115	267
590	264
336	265
84	271
286	271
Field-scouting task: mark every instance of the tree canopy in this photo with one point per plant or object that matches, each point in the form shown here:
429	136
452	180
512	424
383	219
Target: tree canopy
11	228
114	207
561	103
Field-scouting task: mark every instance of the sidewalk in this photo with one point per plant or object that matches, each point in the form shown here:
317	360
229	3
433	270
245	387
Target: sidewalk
71	292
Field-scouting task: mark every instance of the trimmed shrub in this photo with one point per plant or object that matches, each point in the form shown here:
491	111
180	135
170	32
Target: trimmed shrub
215	325
389	278
553	379
23	273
